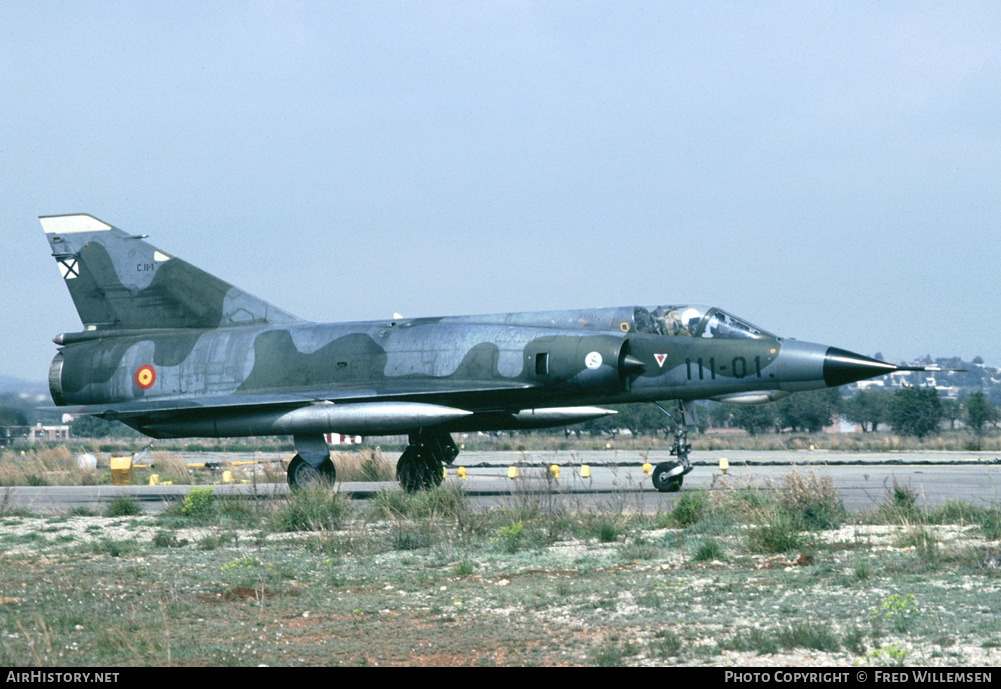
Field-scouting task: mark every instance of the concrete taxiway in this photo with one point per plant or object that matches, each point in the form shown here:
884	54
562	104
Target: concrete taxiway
863	479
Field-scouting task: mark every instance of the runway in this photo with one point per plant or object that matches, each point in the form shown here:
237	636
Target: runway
862	479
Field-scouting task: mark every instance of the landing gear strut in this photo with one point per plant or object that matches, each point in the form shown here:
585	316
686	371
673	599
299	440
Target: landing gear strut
668	476
311	464
420	467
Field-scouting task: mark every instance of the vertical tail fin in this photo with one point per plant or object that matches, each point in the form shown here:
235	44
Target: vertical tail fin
120	282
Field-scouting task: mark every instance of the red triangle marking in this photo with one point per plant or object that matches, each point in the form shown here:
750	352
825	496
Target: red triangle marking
661	358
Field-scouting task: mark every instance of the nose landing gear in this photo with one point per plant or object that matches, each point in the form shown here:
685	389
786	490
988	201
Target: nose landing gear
668	476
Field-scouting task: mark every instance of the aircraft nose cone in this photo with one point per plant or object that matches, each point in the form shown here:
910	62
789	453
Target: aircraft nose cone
842	367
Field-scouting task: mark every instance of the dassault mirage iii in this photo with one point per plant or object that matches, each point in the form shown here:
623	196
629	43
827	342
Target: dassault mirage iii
173	352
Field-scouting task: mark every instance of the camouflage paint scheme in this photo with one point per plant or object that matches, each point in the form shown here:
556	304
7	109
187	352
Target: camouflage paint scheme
176	352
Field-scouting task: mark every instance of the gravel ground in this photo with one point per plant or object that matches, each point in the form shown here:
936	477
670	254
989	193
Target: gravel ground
637	600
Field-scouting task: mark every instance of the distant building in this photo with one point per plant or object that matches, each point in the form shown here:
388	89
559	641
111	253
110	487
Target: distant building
341	439
950	392
871	384
39	432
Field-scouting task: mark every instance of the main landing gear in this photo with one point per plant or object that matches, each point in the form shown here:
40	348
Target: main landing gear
668	476
421	466
311	464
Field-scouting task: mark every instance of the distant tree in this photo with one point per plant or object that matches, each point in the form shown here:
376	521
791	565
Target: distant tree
809	411
703	411
867	407
719	415
93	427
9	416
973	376
26	406
952	411
642	419
915	411
755	418
980	411
604	424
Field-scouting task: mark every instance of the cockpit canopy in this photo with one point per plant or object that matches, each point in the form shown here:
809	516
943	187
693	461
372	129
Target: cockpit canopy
693	320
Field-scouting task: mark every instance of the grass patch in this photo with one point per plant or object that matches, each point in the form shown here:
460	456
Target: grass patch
547	514
239	511
199	504
608	532
990	524
367	465
896	611
442	502
666	644
166	539
314	508
817	636
775	531
217	540
510	536
923	540
612	652
811	500
691	507
709	550
123	506
751	640
963	513
900	504
115	548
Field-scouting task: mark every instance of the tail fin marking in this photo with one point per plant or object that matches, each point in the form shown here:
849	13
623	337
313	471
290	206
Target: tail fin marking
120	282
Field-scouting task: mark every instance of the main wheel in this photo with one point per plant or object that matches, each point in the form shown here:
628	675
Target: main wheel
408	470
434	472
418	470
665	483
301	473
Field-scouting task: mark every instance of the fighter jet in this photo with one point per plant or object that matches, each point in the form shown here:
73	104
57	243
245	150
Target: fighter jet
174	352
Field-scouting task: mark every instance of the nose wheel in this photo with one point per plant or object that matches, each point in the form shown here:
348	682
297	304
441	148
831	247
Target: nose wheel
668	476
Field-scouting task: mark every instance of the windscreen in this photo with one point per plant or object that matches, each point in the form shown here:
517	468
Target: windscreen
693	320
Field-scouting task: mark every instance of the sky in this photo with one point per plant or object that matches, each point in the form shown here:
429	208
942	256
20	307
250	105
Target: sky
830	171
